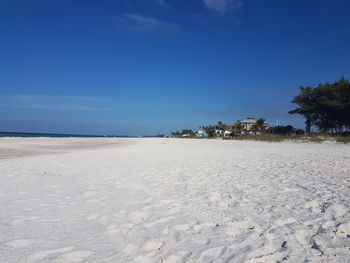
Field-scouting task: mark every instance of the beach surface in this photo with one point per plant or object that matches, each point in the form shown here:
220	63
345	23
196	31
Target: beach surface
173	200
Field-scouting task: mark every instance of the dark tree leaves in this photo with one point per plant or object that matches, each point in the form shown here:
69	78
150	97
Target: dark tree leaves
326	106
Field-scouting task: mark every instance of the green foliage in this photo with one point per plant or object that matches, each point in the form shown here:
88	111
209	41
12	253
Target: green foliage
261	125
326	106
238	127
209	129
221	127
317	137
285	130
255	128
188	132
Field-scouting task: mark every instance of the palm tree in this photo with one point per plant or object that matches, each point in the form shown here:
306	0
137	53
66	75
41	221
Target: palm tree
254	128
261	125
220	125
238	127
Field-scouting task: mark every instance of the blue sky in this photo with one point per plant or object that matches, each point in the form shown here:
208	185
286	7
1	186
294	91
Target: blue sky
155	66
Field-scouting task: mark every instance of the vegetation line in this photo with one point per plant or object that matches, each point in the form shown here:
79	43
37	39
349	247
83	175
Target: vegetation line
325	108
313	137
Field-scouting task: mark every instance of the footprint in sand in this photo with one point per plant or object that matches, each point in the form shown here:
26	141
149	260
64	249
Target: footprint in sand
344	230
237	228
304	236
338	210
202	240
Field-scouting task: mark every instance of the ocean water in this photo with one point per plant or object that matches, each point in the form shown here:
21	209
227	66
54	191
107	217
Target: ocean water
54	135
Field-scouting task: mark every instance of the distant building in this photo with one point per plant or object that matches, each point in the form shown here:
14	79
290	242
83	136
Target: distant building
249	122
226	132
218	132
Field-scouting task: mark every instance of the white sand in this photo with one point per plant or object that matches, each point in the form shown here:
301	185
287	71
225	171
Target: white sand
173	200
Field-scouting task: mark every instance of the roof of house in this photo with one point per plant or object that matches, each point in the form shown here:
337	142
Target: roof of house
248	121
251	120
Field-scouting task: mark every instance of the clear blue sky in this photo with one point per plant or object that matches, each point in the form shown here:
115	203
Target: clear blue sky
155	66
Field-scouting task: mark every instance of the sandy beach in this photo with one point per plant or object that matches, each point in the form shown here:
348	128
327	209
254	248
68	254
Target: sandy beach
173	200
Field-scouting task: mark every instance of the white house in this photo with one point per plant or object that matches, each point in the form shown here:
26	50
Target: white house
218	132
248	123
227	133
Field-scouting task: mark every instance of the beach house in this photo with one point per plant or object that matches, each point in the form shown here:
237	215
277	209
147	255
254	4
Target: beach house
249	122
225	131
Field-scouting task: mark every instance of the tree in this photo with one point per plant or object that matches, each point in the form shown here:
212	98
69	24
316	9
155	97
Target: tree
284	130
254	128
187	132
299	132
220	126
176	134
183	132
289	130
261	125
238	127
209	129
326	106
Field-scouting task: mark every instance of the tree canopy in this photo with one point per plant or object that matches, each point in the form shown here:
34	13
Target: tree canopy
326	106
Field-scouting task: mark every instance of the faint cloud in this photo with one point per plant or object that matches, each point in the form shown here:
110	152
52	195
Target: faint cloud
45	102
223	6
138	23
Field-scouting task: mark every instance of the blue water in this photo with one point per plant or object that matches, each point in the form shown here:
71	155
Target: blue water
54	135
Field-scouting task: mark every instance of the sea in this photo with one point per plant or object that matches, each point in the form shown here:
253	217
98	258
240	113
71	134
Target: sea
53	135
